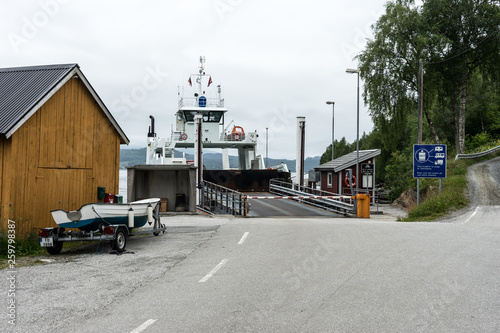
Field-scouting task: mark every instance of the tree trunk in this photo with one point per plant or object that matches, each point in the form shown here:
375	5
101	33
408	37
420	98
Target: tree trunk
431	126
461	118
462	109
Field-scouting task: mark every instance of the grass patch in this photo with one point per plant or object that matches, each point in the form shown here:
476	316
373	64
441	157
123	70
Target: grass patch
29	245
436	205
454	196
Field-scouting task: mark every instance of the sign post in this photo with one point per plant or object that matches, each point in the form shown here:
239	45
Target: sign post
429	161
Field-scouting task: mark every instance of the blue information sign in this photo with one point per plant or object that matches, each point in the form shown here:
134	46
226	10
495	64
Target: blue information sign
429	161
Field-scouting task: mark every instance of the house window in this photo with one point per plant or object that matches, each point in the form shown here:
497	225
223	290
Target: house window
330	179
367	181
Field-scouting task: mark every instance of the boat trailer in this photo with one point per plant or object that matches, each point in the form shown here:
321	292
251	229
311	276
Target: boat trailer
53	238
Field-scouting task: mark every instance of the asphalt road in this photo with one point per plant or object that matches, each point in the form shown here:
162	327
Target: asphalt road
281	274
283	207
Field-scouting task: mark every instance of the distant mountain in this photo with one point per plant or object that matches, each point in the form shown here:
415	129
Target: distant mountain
129	157
212	161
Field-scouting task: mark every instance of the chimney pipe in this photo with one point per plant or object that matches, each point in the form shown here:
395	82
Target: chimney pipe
301	138
151	133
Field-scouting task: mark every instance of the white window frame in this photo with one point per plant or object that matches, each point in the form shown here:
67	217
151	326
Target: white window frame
367	181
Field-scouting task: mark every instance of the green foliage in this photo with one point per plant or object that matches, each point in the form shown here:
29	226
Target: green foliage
483	106
452	197
342	148
436	205
478	140
24	246
459	43
399	175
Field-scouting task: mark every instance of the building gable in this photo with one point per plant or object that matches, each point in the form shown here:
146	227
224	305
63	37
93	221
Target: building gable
24	90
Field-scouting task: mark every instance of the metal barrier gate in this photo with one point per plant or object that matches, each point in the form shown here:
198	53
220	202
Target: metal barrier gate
337	203
220	199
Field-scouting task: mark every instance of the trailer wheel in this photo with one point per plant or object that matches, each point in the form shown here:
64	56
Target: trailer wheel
56	249
118	244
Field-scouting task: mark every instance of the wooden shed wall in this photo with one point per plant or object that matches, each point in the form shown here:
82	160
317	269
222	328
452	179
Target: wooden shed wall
58	158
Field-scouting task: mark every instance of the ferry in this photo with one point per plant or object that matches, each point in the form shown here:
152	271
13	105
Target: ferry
202	97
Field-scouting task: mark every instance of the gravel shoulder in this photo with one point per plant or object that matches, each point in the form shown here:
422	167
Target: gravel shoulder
484	183
484	189
81	282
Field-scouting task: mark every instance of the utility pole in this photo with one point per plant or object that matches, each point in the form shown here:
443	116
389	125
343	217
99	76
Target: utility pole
420	112
420	98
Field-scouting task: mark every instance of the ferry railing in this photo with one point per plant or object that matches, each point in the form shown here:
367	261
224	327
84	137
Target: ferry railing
342	205
223	200
196	102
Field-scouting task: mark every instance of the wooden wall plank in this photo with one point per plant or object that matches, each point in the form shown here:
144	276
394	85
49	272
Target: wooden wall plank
31	156
2	159
19	160
88	112
3	207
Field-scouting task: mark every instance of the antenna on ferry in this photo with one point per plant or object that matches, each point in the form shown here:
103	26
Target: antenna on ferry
202	61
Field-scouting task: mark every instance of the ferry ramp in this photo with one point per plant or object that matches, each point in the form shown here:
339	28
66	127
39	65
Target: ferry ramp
283	207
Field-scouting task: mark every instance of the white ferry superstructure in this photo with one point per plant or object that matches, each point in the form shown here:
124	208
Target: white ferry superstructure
203	101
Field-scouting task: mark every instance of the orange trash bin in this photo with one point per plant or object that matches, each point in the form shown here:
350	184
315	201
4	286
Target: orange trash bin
363	206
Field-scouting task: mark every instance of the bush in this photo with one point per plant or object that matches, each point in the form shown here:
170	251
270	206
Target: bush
399	173
436	204
480	142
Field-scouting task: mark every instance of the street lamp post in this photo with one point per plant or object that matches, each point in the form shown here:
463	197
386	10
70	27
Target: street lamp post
356	71
267	147
333	124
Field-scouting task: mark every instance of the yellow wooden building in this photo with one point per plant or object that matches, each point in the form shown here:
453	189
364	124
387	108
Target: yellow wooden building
58	144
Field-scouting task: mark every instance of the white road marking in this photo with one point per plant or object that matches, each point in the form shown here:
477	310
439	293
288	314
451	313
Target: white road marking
213	271
472	215
145	325
242	240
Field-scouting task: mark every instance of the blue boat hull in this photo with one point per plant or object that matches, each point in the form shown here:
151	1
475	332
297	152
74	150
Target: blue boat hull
93	224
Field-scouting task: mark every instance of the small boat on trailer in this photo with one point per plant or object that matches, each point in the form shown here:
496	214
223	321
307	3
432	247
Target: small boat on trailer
93	216
101	222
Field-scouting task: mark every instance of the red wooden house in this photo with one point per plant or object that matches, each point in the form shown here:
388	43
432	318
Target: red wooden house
334	173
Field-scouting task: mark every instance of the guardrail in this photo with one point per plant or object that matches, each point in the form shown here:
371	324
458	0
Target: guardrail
476	155
314	197
223	200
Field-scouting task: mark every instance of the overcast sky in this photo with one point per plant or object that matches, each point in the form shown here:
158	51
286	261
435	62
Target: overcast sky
274	59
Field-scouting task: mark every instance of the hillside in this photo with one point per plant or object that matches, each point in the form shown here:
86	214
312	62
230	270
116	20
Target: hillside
212	161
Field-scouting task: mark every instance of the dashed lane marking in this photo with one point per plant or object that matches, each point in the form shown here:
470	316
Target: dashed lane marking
145	325
242	240
213	271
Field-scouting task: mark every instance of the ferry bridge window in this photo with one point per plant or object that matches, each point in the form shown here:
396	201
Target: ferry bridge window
189	115
208	117
212	116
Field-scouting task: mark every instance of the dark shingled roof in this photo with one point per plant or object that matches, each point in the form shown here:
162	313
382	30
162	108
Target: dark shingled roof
23	90
348	160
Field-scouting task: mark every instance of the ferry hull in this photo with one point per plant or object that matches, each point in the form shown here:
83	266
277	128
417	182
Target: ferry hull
245	180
